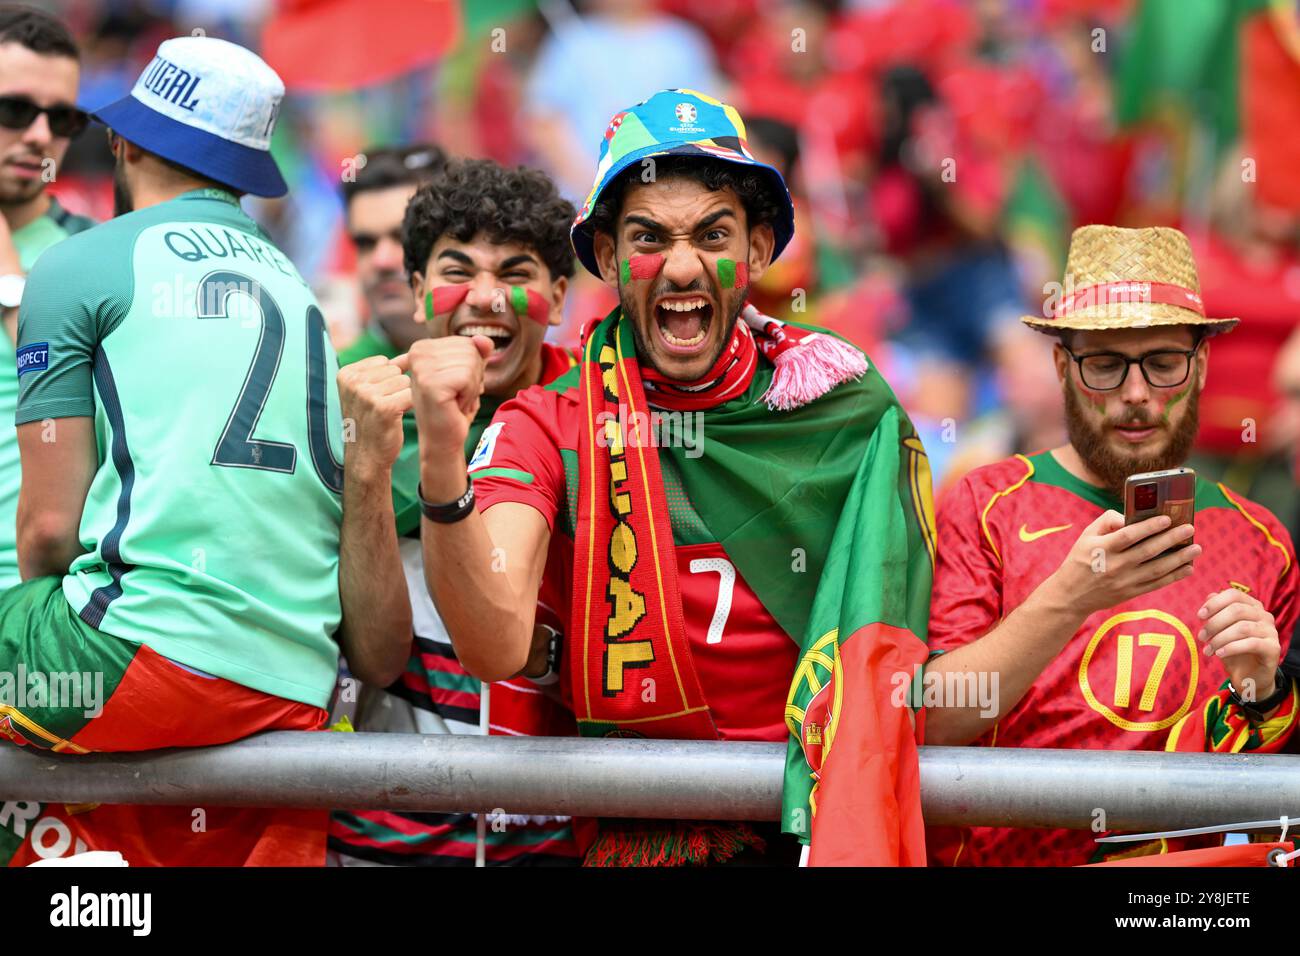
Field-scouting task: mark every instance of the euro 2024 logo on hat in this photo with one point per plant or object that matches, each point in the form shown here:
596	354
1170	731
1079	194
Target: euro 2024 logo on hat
687	115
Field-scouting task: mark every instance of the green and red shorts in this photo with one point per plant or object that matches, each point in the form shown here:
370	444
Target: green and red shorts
69	688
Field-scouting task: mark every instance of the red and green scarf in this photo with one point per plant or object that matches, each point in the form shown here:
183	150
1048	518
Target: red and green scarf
815	483
1220	726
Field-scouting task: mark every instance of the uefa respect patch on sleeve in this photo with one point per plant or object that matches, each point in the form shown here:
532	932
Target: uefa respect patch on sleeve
33	358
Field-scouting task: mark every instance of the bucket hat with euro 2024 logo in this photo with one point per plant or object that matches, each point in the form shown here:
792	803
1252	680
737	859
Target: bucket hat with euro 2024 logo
674	123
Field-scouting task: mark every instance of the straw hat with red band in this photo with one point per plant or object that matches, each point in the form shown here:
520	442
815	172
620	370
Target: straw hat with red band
1127	278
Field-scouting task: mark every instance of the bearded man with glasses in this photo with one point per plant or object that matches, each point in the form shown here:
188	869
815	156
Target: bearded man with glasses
1086	633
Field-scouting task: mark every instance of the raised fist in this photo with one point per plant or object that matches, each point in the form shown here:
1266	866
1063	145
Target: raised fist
373	396
446	382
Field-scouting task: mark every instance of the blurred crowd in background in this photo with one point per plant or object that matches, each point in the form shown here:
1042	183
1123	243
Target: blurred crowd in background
939	151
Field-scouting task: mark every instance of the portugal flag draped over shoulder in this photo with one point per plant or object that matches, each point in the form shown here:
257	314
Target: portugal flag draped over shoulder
852	782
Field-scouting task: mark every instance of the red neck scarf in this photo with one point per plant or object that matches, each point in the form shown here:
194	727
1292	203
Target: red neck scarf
727	379
808	365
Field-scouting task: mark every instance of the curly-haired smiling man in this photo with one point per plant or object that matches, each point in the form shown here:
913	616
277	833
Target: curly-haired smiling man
487	251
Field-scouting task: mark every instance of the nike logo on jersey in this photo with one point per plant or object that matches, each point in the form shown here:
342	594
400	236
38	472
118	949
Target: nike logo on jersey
1027	536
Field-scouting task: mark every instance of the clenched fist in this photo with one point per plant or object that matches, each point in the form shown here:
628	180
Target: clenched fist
446	382
373	395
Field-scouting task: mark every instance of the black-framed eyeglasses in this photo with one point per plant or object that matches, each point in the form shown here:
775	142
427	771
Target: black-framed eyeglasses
1104	371
20	112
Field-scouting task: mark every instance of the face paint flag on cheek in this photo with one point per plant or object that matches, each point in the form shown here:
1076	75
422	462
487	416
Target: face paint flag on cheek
640	267
733	274
443	300
526	302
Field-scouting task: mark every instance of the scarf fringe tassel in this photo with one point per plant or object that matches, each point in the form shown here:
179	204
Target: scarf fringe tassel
810	369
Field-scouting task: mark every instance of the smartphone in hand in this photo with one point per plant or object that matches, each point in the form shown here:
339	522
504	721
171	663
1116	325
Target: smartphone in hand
1171	492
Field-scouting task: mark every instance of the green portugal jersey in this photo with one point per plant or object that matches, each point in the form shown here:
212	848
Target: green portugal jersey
30	241
211	527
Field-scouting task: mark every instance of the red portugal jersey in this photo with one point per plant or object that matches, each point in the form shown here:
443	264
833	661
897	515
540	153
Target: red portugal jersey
742	656
1131	671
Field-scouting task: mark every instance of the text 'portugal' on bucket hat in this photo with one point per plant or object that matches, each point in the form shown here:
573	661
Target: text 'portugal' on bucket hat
209	105
1127	279
674	123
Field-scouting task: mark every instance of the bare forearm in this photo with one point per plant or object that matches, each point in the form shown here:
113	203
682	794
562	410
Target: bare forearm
56	478
1008	659
490	622
376	627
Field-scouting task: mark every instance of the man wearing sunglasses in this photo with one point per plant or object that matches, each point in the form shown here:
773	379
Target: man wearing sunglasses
1053	624
38	118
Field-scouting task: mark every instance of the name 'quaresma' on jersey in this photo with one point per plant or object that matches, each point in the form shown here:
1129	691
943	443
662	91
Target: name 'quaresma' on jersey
211	528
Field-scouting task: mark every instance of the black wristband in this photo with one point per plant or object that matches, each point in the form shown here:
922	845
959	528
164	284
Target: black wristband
449	513
1257	709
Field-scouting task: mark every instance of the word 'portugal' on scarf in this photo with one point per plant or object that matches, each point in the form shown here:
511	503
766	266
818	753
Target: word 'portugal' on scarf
816	486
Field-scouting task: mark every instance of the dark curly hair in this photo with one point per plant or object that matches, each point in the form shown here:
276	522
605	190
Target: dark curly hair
472	196
757	192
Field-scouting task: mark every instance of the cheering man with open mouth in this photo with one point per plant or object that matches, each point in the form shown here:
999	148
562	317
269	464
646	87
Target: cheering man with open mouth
762	581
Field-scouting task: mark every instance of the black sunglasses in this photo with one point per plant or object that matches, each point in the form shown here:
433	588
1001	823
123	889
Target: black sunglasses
20	112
